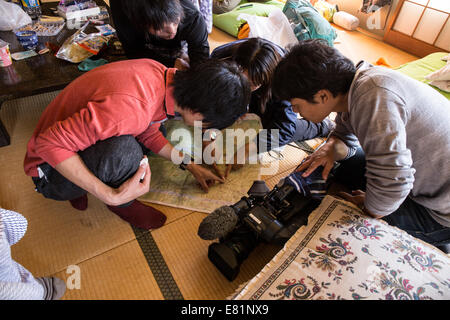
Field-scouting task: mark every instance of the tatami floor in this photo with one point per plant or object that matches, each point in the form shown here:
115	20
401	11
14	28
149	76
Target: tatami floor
111	259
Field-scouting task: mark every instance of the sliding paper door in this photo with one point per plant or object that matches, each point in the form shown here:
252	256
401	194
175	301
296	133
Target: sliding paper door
420	26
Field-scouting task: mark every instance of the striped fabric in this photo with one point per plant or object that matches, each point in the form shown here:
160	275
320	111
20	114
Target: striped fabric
205	8
16	282
313	186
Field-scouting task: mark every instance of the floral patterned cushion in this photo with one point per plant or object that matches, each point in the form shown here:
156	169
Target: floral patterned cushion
343	254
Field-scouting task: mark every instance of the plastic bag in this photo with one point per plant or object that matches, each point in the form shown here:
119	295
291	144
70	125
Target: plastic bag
275	28
81	46
12	16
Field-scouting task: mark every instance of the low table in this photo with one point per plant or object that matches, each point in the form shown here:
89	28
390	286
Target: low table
42	73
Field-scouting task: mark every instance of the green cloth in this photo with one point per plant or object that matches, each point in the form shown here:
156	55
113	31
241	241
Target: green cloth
88	64
419	69
229	23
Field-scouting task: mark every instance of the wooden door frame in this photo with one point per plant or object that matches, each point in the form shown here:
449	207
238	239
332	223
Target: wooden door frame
408	43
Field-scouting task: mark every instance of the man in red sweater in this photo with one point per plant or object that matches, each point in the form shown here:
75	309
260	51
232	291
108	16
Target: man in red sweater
90	137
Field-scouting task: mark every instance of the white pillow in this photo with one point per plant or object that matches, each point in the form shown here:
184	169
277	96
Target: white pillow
441	74
346	20
443	85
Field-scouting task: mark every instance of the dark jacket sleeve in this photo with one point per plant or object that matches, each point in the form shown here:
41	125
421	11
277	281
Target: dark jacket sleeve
278	115
195	33
132	39
225	51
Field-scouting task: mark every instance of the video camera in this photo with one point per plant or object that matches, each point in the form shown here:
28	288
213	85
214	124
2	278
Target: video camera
266	215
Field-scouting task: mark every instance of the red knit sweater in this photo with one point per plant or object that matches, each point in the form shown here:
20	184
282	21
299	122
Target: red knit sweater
121	98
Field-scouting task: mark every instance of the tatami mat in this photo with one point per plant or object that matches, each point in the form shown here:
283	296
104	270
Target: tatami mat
186	256
57	234
115	260
121	273
171	212
113	264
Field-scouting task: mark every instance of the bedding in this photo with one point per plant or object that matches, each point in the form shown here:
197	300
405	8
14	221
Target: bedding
229	23
441	77
443	74
419	69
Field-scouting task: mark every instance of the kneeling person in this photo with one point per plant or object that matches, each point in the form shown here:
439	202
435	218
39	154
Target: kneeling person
392	136
88	140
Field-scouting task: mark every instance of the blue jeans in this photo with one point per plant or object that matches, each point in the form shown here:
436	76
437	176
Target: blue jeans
411	217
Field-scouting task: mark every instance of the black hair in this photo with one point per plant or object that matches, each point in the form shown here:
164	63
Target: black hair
216	89
310	66
259	57
153	13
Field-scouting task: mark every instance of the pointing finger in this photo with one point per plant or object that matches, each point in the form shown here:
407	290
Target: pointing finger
204	185
311	168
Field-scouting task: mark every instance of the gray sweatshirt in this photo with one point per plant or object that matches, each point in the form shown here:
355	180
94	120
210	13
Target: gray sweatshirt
403	126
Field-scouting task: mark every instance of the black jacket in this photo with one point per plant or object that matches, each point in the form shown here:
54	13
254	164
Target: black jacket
139	43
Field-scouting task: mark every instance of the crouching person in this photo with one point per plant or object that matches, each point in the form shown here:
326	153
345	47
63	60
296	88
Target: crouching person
88	140
392	136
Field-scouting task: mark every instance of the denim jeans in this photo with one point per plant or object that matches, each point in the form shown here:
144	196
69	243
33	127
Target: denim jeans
411	217
113	161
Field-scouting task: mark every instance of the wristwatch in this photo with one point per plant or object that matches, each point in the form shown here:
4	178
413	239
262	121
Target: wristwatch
186	160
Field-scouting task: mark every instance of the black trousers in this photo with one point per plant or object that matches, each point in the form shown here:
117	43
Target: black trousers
113	161
411	217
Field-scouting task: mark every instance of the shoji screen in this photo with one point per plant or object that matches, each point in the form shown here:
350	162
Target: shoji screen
420	26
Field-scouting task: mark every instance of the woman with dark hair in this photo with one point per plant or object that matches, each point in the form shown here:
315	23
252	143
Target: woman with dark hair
161	30
258	58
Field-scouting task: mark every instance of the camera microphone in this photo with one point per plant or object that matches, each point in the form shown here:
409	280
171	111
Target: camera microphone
218	223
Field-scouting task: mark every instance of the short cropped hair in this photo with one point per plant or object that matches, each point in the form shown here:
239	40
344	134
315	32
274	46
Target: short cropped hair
311	66
216	89
153	14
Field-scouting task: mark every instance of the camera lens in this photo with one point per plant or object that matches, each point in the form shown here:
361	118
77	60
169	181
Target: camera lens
229	254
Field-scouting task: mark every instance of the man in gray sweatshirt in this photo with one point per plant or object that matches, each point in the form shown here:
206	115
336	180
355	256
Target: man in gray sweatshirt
392	136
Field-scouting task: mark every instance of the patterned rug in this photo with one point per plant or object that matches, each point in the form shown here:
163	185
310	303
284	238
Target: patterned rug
344	255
